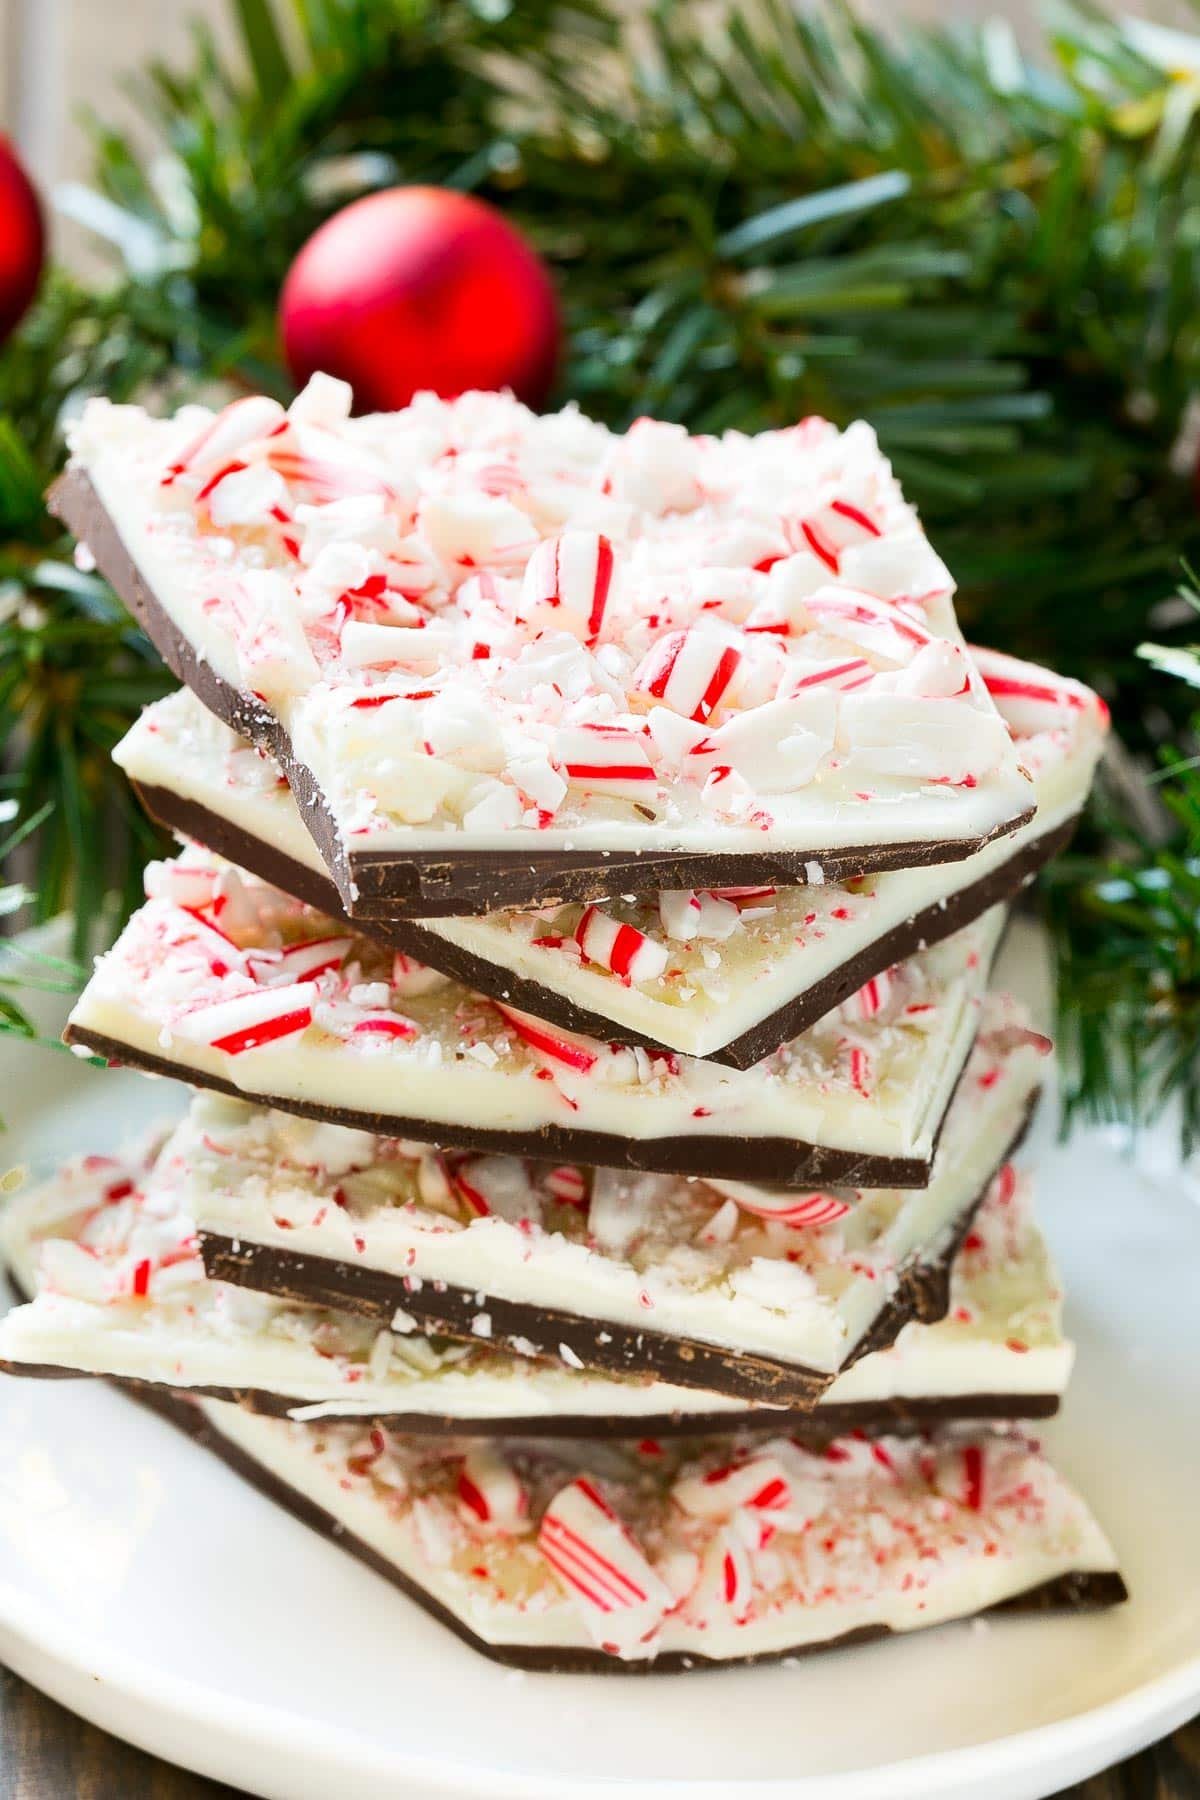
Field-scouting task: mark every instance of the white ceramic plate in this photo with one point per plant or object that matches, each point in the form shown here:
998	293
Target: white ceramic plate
144	1586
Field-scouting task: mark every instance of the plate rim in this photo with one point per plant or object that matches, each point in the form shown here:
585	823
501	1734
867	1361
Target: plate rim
1073	1747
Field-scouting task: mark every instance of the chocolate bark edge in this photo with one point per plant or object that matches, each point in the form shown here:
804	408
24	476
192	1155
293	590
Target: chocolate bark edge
1076	1591
922	1293
897	1416
74	501
929	926
770	1161
429	882
438	883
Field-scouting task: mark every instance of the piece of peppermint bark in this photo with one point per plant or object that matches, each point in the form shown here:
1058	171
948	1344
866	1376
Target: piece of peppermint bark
507	660
223	981
704	1284
119	1291
728	974
641	1557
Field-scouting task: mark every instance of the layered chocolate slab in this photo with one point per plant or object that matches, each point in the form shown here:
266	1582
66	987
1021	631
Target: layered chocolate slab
700	1284
517	660
669	1556
236	986
727	975
121	1292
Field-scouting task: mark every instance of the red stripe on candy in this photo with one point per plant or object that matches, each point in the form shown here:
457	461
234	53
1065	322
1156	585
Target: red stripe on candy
604	571
251	1036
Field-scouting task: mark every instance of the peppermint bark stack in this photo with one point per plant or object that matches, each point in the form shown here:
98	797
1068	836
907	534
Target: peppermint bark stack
596	850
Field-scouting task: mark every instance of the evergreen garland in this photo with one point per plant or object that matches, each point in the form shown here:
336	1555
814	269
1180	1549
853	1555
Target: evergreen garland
993	259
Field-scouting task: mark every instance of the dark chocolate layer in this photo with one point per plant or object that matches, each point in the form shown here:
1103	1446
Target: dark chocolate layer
897	1414
1073	1592
769	1161
922	1293
427	883
812	1426
927	927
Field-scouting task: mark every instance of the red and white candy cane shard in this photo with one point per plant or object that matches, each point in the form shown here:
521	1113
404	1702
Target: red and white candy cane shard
470	1189
760	1483
552	1045
178	1266
219	949
568	1185
181	885
570	575
686	914
495	1186
410	977
832	528
689	671
1030	698
273	651
726	1577
960	1475
744	896
251	1020
492	1493
622	949
679	910
621	1599
301	962
785	1207
872	996
849	612
320	479
501	479
241	423
843	674
605	759
379	1023
859	1068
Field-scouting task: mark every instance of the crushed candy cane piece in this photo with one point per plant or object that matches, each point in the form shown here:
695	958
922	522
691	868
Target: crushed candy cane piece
690	670
605	759
622	949
566	583
620	1598
239	424
251	1020
686	915
492	1493
551	1044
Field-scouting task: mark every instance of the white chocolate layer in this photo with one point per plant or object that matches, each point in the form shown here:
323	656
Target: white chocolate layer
378	582
715	1550
650	1252
712	989
1002	1335
354	1042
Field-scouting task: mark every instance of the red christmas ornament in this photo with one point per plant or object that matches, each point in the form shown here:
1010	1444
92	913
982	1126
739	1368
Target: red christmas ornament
420	287
22	239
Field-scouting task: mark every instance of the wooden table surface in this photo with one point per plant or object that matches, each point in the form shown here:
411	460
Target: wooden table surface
49	1754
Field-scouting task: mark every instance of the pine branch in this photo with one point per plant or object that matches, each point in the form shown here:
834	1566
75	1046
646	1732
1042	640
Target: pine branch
24	971
1127	924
